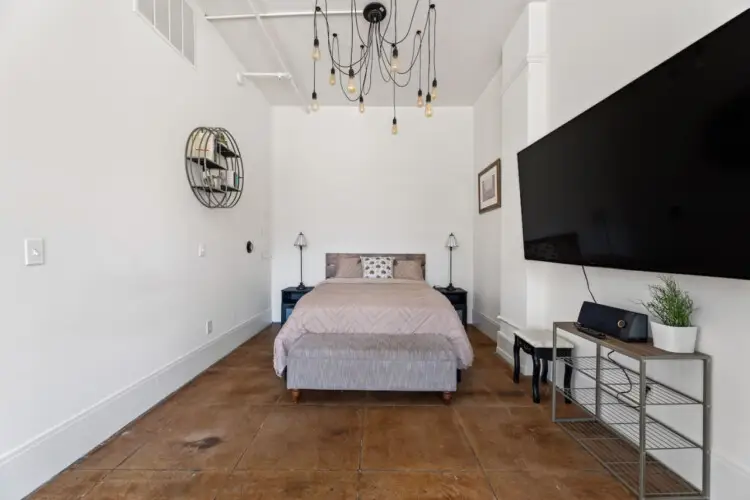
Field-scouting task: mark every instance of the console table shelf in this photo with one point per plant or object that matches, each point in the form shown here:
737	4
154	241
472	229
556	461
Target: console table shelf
616	428
626	382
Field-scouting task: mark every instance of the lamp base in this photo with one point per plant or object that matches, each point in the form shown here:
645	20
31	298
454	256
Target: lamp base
450	287
301	286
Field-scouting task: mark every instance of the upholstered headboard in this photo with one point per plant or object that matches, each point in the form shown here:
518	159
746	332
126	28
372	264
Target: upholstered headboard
332	260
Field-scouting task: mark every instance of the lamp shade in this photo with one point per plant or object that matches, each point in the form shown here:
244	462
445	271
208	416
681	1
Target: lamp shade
301	241
452	242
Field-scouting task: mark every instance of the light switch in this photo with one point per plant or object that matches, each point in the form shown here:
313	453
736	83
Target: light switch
34	251
201	250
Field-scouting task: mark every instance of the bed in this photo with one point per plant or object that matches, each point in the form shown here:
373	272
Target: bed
374	321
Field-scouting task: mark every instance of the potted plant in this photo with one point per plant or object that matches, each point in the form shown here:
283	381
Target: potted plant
674	309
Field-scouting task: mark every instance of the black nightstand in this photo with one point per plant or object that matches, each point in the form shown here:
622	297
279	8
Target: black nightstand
457	297
289	298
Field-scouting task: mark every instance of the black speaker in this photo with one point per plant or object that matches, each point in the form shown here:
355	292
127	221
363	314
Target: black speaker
627	326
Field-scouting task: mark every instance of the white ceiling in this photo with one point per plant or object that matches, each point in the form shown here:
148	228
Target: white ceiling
470	34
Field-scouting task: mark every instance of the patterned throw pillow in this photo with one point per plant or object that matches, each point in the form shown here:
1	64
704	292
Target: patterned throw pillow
377	267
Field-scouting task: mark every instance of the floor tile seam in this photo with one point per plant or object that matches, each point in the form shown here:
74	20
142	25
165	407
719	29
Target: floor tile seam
466	439
97	483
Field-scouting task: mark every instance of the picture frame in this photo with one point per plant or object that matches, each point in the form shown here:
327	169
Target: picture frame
488	187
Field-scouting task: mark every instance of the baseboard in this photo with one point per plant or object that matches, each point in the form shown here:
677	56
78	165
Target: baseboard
485	324
729	480
26	468
493	329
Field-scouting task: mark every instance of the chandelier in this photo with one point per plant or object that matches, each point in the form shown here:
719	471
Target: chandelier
378	53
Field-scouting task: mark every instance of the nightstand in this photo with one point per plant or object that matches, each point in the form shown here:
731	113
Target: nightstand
289	298
457	297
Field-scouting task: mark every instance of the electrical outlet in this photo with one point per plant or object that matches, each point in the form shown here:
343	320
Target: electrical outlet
34	251
209	327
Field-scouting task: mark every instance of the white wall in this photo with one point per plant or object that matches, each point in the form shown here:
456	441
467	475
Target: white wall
351	186
487	226
596	47
524	106
96	109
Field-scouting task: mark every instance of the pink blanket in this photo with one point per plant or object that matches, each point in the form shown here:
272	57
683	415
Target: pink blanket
372	306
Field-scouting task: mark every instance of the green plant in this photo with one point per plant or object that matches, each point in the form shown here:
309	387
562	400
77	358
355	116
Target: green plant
669	303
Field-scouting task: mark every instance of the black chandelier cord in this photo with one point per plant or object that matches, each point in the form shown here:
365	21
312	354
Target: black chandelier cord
383	59
429	51
395	22
411	22
369	70
341	81
383	40
363	67
366	68
359	33
351	51
334	62
361	86
315	20
434	45
394	101
419	33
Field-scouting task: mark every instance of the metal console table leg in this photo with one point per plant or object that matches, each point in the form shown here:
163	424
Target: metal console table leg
706	483
554	373
642	440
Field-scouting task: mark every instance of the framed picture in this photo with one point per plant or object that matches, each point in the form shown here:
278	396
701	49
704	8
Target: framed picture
489	188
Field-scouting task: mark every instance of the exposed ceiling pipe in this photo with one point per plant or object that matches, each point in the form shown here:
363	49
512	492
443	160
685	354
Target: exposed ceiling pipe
280	76
235	17
279	56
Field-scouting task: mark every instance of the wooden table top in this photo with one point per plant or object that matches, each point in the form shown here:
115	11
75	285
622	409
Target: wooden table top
635	350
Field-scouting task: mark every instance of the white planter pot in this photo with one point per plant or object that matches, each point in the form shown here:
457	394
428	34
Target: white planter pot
674	338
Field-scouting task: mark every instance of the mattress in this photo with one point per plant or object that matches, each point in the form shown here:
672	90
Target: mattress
360	306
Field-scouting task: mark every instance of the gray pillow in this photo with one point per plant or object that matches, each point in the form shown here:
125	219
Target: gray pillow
349	267
408	270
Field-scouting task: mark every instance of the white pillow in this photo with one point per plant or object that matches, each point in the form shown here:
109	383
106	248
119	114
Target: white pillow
377	267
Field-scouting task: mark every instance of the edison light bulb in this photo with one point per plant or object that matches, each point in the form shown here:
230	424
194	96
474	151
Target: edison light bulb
332	78
315	105
394	60
361	104
420	99
352	87
434	92
316	50
428	107
394	128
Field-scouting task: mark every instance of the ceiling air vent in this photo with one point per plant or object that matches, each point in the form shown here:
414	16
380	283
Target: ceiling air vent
173	20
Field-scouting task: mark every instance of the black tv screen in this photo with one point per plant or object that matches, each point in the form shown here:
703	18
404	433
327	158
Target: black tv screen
655	177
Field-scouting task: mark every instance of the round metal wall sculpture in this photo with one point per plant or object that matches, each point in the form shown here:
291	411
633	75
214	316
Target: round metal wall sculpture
214	167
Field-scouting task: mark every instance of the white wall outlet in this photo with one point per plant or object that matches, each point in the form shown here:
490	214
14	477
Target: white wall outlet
201	250
209	327
34	250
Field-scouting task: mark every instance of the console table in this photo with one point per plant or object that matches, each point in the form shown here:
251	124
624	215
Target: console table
618	430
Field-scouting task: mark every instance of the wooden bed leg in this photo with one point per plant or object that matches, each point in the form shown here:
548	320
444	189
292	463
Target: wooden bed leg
295	396
447	397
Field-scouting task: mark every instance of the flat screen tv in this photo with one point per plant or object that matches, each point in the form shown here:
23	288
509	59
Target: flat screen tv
655	177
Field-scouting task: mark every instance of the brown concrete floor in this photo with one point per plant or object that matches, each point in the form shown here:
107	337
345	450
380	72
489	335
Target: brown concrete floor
232	434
